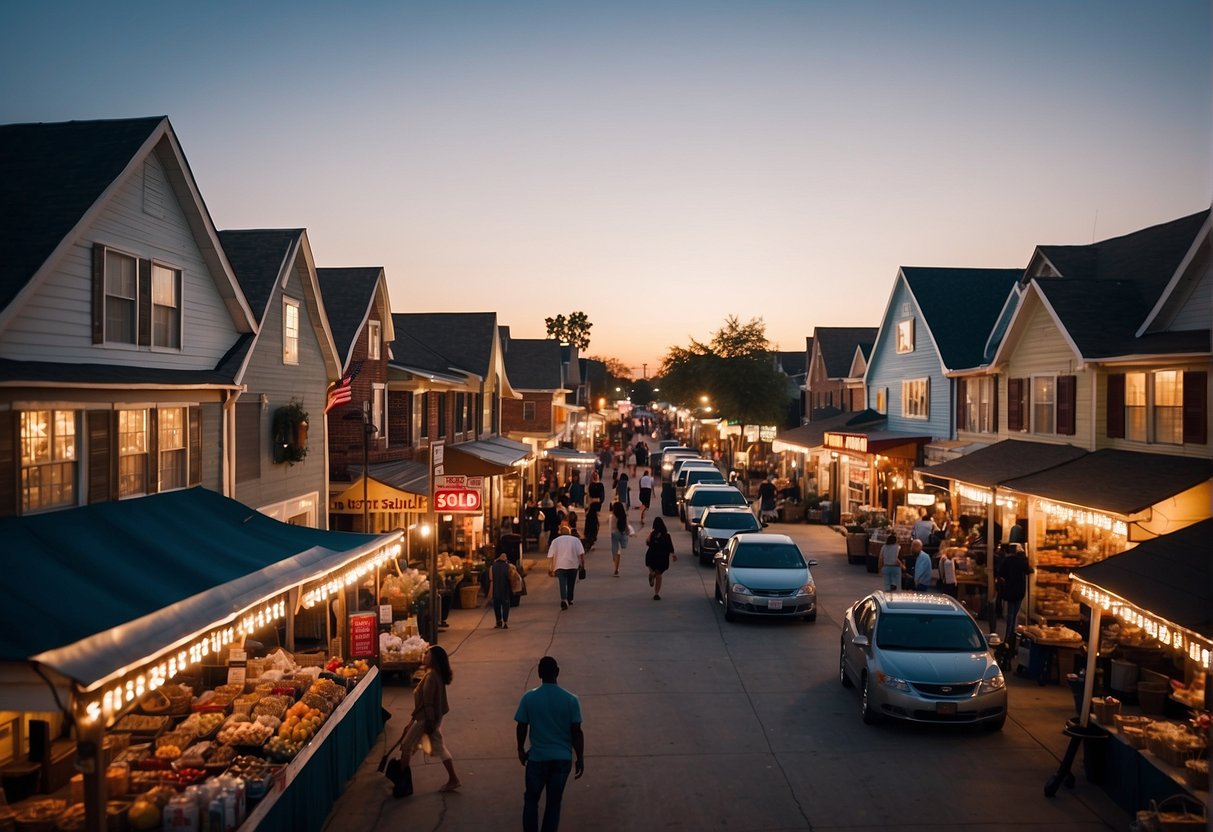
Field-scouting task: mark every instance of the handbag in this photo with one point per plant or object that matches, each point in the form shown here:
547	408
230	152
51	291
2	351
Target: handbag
515	580
581	573
401	777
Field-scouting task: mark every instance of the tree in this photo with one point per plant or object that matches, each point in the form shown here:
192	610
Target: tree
575	329
604	375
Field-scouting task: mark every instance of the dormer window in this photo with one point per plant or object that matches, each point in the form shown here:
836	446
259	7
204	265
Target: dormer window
290	331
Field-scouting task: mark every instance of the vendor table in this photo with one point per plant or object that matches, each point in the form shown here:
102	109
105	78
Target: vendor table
304	793
1133	777
1050	660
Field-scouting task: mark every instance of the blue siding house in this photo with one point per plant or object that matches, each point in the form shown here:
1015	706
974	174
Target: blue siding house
938	321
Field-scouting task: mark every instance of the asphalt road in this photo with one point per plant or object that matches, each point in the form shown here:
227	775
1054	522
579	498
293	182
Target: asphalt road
693	723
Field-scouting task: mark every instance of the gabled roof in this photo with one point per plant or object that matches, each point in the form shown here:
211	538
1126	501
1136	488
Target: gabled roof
793	363
464	339
837	346
534	364
1193	267
349	299
54	176
959	307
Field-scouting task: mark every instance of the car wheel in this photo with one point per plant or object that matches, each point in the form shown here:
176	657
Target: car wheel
870	715
810	618
842	668
996	724
719	597
729	615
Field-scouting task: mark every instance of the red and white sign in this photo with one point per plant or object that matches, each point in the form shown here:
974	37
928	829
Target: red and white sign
364	635
458	493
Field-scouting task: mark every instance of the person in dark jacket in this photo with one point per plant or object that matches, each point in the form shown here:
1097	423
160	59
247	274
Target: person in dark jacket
499	589
657	556
1013	584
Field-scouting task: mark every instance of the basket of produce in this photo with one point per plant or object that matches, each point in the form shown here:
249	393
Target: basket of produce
1177	749
233	689
245	735
273	706
244	704
142	725
1196	772
203	724
1135	736
1106	709
180	778
315	659
219	759
253	668
1179	813
1131	721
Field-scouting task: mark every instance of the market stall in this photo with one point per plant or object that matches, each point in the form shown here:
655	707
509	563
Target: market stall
155	638
1153	605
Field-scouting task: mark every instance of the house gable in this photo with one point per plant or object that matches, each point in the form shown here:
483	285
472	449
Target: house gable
1187	301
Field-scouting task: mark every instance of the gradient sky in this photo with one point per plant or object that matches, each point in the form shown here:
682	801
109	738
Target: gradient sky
659	165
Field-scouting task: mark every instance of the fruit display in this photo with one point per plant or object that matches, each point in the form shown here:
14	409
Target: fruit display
349	671
255	773
282	749
168	752
142	724
244	733
202	724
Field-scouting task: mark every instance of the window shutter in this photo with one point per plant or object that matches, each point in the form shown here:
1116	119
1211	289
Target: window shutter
1016	406
961	390
1196	417
98	293
10	470
994	406
195	444
153	450
143	303
102	461
1115	416
1067	388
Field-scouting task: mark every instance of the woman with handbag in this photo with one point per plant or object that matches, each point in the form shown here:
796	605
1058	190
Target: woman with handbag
657	556
429	708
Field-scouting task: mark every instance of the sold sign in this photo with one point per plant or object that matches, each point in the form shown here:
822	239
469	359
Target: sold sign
457	493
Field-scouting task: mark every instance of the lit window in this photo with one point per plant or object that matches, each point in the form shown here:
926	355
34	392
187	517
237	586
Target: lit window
48	459
905	336
132	452
882	400
1135	406
979	404
372	339
378	410
290	331
172	433
120	291
915	402
1044	400
1168	407
166	307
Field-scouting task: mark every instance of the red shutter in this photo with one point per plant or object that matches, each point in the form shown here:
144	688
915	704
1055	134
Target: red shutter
961	389
98	293
10	469
1067	390
1016	406
1196	414
1115	416
195	445
143	303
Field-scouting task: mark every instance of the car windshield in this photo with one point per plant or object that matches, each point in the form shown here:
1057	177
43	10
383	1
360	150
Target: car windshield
731	520
928	632
703	475
755	555
723	497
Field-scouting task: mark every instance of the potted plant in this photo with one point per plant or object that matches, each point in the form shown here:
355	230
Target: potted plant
290	433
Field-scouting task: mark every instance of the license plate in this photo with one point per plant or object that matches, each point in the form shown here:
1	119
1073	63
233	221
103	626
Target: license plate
774	603
945	708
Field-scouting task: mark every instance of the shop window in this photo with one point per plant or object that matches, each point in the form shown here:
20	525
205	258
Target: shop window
1168	407
528	411
132	452
1043	404
915	398
1135	427
48	459
171	441
290	331
373	339
166	307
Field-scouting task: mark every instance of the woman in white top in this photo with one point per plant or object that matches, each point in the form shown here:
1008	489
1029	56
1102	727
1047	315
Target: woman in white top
890	562
947	573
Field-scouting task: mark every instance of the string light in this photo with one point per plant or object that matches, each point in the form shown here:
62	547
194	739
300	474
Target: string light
1164	632
1083	517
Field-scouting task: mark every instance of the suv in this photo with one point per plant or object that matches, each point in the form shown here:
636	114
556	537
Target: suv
717	525
668	458
920	657
690	476
703	494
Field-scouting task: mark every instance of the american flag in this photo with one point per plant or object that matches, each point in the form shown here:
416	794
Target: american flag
340	392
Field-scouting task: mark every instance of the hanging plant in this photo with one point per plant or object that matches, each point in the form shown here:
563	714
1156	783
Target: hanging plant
290	433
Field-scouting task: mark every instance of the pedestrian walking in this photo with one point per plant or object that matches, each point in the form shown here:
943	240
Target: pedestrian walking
619	532
551	716
589	535
631	460
922	567
766	501
429	708
947	573
597	492
890	563
642	454
1012	584
622	492
501	587
565	556
658	554
646	493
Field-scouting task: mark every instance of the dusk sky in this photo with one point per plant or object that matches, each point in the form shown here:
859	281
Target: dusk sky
659	165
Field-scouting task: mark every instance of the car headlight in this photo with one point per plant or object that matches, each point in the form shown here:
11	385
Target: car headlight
808	589
993	681
739	589
892	682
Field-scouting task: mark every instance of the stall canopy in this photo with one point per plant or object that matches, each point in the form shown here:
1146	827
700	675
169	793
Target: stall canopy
1122	482
402	474
812	435
570	456
1004	461
1170	576
93	590
485	457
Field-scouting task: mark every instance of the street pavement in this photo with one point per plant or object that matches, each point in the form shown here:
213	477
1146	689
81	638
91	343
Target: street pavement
693	723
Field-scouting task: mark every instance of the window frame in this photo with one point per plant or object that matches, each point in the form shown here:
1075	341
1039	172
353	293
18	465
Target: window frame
182	449
107	337
925	398
905	336
289	357
1035	402
1175	410
126	455
62	461
979	404
178	289
374	337
378	410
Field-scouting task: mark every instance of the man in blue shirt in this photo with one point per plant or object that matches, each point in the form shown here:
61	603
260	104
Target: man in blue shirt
552	715
922	567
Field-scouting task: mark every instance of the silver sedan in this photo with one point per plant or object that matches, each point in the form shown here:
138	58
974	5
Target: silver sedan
760	574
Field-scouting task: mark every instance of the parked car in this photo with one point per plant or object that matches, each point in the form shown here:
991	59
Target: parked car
921	657
717	525
694	474
683	462
667	461
765	575
700	495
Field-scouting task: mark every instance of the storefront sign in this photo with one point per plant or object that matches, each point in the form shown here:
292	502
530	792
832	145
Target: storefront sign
364	635
857	442
915	498
767	433
379	497
458	493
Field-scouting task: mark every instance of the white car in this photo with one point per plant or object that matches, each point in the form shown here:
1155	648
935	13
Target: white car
703	494
763	574
717	525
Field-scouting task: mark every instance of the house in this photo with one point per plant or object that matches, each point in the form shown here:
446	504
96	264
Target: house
123	328
536	369
833	352
280	429
793	365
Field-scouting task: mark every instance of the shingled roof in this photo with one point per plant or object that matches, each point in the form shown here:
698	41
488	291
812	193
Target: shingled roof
837	345
257	257
464	339
348	294
960	307
50	176
534	363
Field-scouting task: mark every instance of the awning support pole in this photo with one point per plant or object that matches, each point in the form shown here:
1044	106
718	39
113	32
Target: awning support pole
1088	688
990	576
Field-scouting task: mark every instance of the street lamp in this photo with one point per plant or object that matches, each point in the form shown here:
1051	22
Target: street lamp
368	428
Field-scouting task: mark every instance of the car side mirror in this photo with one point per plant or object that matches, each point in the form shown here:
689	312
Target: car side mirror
812	561
860	642
719	559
